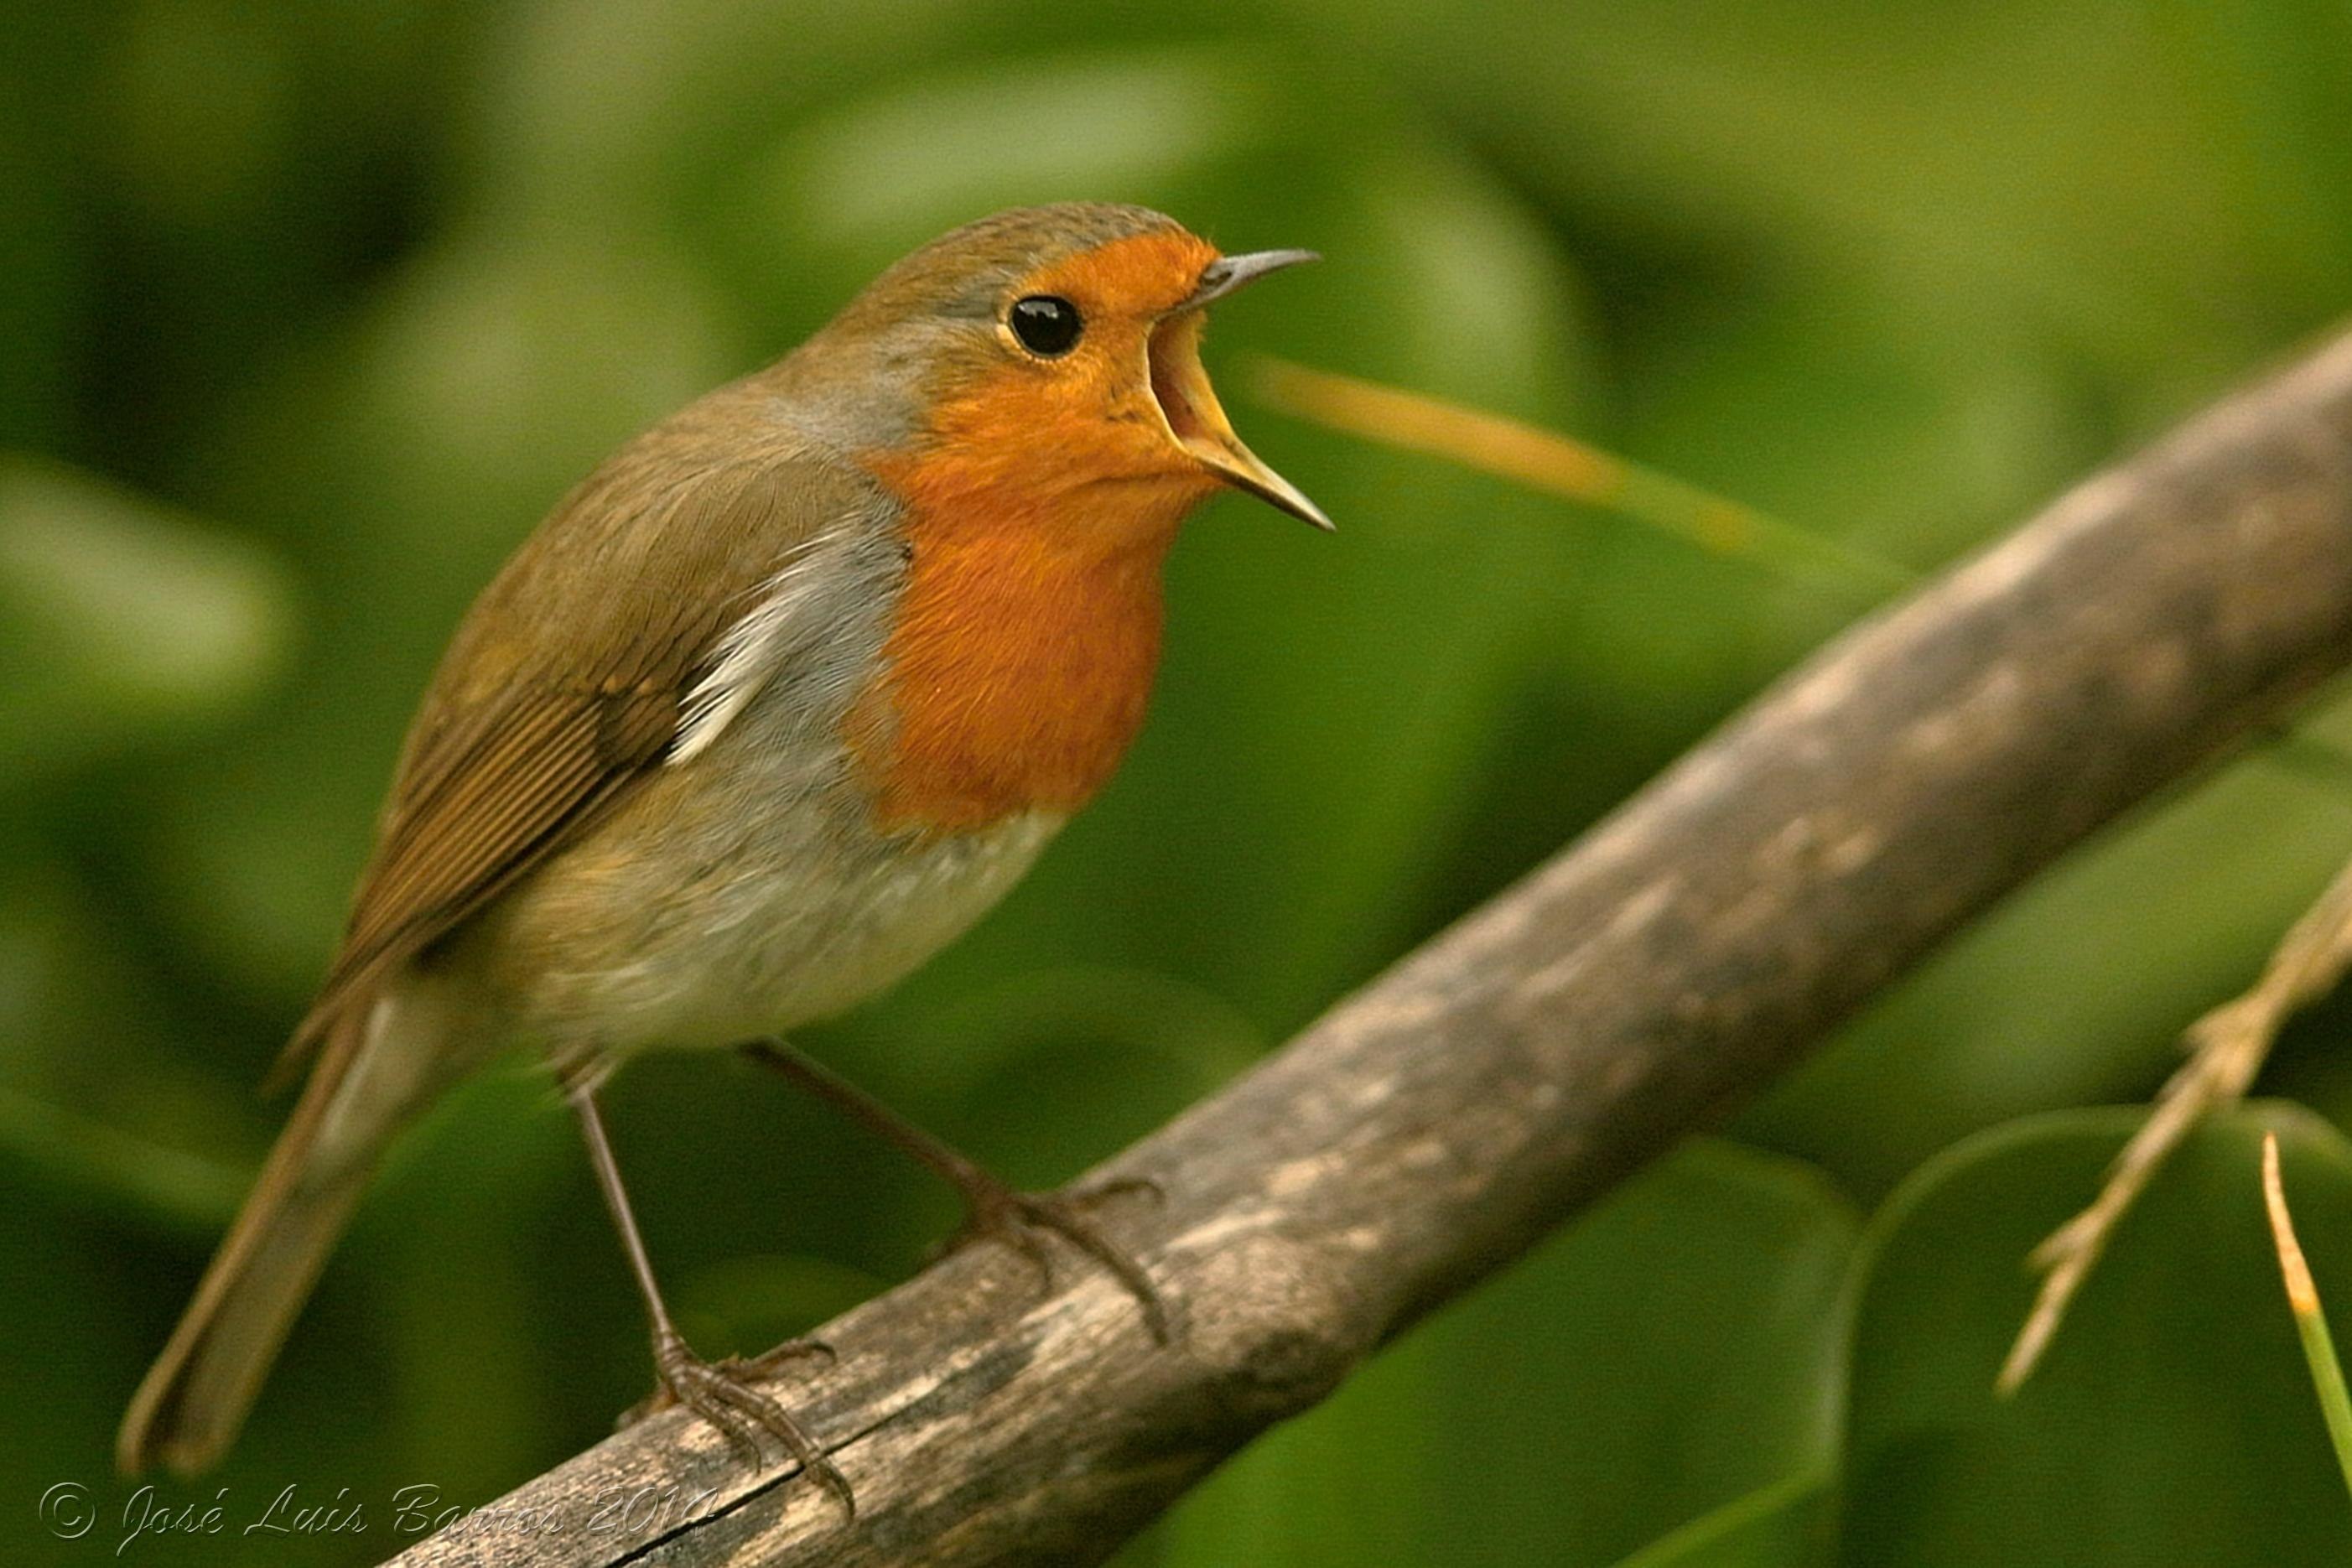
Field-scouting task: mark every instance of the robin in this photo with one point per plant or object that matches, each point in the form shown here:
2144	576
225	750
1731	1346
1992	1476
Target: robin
775	705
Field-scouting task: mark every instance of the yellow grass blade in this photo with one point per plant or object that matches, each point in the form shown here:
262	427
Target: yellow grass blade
2302	1295
1546	460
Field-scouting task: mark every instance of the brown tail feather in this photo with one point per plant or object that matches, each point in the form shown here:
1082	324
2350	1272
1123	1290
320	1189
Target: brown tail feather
193	1400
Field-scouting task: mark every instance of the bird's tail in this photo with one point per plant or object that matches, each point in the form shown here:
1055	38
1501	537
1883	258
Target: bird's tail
372	1075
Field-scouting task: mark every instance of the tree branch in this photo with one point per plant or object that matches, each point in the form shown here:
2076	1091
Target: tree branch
1643	983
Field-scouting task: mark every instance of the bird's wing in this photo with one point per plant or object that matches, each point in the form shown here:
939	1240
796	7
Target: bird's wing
555	700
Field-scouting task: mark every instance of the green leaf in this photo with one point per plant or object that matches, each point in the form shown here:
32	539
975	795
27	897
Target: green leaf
121	619
1673	1354
1785	1525
2172	1421
93	1157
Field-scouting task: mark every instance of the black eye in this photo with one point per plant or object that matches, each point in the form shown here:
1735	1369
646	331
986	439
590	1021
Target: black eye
1046	324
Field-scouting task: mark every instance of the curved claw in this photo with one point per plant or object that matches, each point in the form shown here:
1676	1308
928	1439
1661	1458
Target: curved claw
791	1351
721	1394
988	1220
1119	1187
1016	1217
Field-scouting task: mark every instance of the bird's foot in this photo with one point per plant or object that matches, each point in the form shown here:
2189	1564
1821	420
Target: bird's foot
993	1210
740	1368
721	1393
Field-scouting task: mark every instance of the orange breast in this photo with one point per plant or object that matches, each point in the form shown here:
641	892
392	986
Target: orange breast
1022	658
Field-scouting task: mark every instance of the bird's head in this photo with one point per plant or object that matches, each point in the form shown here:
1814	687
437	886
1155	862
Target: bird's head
1049	358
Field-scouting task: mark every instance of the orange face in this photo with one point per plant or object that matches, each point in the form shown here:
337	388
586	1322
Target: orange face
1095	398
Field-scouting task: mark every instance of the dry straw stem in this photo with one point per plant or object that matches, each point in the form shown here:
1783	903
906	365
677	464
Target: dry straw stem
2310	1322
2302	1295
2226	1049
1563	466
1644	982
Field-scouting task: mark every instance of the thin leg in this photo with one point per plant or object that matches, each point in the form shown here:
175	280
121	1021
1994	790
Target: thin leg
721	1394
992	1206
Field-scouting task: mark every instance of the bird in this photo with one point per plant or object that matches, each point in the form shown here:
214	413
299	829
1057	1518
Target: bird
772	707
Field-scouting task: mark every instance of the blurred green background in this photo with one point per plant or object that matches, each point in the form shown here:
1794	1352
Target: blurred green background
307	310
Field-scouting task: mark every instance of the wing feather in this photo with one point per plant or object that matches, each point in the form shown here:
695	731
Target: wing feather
551	704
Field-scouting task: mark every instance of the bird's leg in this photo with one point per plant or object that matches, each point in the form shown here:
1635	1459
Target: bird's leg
720	1393
992	1208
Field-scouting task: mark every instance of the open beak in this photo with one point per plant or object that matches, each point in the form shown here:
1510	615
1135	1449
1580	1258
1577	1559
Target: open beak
1189	404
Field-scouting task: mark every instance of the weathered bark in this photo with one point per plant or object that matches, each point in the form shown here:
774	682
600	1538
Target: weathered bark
1433	1126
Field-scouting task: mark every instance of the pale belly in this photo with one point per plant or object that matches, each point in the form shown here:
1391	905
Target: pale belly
755	900
778	945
